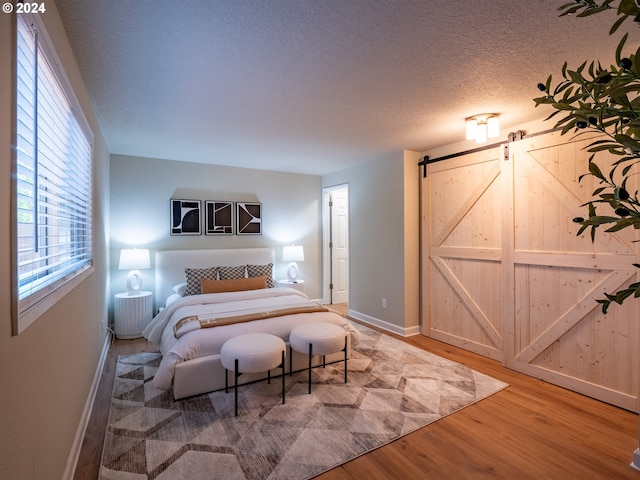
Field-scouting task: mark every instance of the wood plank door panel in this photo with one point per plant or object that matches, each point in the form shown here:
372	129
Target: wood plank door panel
559	333
462	210
505	275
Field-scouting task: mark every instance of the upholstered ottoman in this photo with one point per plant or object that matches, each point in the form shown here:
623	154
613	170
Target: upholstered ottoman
252	353
318	339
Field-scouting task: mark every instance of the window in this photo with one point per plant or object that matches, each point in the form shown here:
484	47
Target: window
52	181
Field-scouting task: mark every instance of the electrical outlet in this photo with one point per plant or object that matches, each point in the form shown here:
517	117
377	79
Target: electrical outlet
384	303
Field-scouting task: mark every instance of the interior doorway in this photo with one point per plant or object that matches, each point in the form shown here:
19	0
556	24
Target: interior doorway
335	250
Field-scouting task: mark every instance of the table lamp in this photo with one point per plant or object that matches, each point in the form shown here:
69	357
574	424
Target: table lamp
134	260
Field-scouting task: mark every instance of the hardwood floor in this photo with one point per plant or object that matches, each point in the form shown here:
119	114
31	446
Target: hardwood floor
530	430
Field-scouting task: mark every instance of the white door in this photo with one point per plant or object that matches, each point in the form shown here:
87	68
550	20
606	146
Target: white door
336	245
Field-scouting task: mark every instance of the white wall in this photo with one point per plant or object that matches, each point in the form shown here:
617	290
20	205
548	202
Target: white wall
142	187
383	240
46	372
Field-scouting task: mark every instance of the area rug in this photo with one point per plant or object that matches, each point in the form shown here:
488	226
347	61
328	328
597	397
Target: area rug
393	389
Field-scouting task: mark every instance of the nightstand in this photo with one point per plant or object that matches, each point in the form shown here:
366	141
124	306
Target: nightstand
131	313
298	284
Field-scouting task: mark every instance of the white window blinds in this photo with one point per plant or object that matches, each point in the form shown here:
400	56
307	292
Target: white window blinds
53	174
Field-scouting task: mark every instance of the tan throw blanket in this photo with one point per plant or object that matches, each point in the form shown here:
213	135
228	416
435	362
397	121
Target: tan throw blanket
190	323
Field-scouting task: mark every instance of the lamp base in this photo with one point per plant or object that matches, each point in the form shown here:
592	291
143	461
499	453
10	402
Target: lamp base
292	272
134	282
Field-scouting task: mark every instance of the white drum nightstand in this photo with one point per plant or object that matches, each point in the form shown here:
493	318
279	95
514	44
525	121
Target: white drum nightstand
298	284
131	313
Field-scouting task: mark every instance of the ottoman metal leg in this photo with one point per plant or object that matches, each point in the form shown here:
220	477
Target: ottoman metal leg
290	362
345	359
283	376
237	375
310	357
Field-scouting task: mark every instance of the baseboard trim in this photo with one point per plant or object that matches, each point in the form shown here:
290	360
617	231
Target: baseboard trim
390	327
72	461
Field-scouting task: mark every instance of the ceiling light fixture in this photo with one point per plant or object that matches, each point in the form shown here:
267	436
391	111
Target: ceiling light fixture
483	126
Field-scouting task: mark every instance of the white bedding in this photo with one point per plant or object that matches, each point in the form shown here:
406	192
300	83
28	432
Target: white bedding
208	341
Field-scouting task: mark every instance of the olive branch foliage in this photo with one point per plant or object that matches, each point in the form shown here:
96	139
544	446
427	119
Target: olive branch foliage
605	99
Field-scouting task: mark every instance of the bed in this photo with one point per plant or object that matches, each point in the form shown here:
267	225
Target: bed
205	297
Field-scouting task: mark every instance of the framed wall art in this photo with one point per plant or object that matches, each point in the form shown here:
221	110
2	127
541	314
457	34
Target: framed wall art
248	218
185	217
218	217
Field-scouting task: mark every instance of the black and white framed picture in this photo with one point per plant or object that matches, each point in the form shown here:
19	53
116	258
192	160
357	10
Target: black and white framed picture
218	218
185	217
248	218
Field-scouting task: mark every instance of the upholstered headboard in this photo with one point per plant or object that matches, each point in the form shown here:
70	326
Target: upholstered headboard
170	264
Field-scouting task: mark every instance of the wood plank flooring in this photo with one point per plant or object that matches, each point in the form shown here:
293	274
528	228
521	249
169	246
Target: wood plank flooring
530	430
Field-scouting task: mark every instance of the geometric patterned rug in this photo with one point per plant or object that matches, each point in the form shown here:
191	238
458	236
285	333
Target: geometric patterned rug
393	389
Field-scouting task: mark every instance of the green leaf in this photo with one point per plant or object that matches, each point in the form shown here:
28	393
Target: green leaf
627	141
563	106
622	295
616	25
620	46
601	148
605	305
576	77
595	170
628	7
624	223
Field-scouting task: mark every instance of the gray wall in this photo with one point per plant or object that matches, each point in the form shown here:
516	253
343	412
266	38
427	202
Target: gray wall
383	240
142	187
46	372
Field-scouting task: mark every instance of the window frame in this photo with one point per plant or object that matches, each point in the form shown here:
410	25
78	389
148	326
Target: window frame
26	311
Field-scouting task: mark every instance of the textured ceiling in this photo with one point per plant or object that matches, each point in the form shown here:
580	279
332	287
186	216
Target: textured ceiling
316	86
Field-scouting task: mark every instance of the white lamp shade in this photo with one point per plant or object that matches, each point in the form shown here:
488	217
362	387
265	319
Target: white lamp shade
481	127
293	253
134	259
493	127
472	127
481	133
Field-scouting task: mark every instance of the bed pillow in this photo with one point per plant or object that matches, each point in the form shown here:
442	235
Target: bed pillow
231	273
262	270
172	298
194	275
180	288
232	285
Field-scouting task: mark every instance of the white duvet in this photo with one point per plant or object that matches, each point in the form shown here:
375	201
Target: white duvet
208	341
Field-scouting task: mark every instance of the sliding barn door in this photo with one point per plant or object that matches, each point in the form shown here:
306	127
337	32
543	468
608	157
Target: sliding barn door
462	212
557	330
504	274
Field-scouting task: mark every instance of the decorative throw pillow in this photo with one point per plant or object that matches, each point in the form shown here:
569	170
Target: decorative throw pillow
194	275
233	285
231	273
262	270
